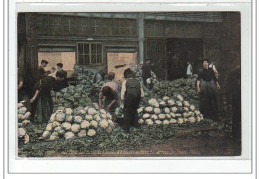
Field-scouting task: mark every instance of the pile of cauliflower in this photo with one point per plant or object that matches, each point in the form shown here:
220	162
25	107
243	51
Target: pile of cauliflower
23	121
80	122
167	111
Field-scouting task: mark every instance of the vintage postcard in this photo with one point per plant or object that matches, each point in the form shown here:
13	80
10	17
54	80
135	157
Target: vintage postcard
121	83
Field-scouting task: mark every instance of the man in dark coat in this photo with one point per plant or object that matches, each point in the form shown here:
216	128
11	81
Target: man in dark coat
131	94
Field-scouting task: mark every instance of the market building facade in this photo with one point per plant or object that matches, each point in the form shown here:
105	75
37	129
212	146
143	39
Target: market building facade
169	39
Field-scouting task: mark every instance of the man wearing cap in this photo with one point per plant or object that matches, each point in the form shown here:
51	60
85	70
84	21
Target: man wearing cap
41	73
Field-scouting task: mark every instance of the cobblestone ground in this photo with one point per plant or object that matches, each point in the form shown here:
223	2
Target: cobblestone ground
205	146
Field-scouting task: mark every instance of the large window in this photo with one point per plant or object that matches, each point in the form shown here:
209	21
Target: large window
89	53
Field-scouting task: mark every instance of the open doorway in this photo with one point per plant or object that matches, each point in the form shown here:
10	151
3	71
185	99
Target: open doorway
66	58
179	52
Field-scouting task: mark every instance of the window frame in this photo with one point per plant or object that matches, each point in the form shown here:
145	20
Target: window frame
90	54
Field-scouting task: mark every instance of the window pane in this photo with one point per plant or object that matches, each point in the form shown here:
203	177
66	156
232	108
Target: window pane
93	59
99	48
86	49
93	49
99	59
80	60
86	59
80	49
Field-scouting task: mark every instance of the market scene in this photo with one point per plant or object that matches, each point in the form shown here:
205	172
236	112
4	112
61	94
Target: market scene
142	84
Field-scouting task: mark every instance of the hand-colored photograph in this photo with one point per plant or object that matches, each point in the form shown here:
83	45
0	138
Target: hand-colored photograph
128	84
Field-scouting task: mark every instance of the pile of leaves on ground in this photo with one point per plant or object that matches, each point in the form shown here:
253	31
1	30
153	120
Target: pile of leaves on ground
117	139
182	86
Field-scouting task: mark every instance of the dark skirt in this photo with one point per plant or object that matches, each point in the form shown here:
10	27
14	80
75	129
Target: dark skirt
208	104
44	108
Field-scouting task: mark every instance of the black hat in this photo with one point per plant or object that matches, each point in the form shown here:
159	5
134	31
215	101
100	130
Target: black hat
59	65
44	61
206	59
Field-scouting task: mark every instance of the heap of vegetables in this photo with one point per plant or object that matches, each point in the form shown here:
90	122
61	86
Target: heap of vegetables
167	111
182	86
80	122
23	121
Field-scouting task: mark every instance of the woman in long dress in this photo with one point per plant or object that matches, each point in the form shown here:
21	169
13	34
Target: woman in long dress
42	97
207	85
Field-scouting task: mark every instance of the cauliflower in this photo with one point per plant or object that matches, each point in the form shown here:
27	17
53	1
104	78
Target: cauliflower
178	115
173	121
139	110
94	123
102	111
192	107
84	124
198	119
153	102
82	111
148	109
75	128
191	114
140	121
103	123
168	116
25	122
157	111
53	117
46	134
174	109
165	98
162	103
91	132
69	118
185	114
111	123
196	112
86	108
95	105
154	117
27	115
20	105
109	129
180	121
92	111
82	133
49	127
69	135
161	116
21	132
96	117
179	103
186	109
22	110
55	124
171	102
172	115
89	117
158	122
167	110
145	116
109	116
54	137
68	111
192	120
103	116
186	103
21	117
166	122
66	126
185	120
78	119
149	122
60	117
179	97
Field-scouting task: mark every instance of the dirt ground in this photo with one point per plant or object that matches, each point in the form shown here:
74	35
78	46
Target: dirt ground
204	146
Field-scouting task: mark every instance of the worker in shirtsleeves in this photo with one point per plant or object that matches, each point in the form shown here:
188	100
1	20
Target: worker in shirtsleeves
207	85
108	97
131	94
